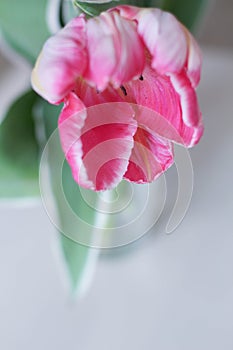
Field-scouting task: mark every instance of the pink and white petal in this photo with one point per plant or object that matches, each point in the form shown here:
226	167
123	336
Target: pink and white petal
164	105
151	156
127	11
101	53
191	114
130	51
113	43
169	42
62	59
194	59
70	123
90	96
158	125
156	92
107	141
157	103
165	39
99	144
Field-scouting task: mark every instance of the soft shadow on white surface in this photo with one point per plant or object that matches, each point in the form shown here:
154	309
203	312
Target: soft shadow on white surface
168	292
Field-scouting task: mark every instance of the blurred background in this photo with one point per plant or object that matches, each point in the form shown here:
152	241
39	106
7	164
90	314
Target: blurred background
216	27
165	292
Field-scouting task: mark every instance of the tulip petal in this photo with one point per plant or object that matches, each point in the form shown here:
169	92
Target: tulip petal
171	105
99	150
194	59
151	156
62	60
70	123
163	36
188	99
113	43
171	97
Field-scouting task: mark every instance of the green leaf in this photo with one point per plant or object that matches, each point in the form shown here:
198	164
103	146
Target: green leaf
95	9
79	258
186	11
19	150
23	23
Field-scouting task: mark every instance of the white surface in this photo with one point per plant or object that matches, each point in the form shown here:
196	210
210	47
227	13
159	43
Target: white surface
166	292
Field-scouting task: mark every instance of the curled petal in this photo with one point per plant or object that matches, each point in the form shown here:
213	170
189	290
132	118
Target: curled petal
99	150
151	156
172	104
170	44
163	36
194	59
168	130
113	43
62	60
188	99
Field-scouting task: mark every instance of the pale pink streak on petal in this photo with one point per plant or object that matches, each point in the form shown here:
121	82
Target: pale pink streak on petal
62	59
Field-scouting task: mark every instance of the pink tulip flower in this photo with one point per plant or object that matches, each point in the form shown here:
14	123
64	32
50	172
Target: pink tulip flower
127	79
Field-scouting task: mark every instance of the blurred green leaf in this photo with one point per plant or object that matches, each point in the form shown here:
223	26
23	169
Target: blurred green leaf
96	9
93	9
186	11
77	257
19	150
23	24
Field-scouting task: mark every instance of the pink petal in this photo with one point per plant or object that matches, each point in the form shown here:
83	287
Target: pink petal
173	108
113	43
127	11
162	34
194	59
61	61
188	99
98	150
70	123
171	45
165	39
169	104
151	156
90	96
